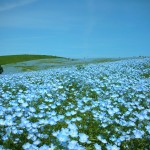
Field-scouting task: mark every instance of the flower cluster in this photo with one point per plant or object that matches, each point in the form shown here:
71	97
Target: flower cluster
102	106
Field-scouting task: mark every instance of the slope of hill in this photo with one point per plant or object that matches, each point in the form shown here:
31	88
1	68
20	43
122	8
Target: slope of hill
8	59
23	63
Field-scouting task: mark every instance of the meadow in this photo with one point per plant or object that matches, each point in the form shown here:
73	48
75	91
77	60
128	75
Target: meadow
8	59
25	63
90	107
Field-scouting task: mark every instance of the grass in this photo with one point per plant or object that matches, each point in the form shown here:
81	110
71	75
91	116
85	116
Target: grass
8	59
146	75
106	60
28	68
48	62
138	144
146	71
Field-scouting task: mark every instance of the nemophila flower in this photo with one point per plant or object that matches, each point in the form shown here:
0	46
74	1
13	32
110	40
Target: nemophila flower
28	125
58	103
25	104
83	138
73	112
143	115
20	131
123	123
19	114
53	106
73	119
61	117
68	114
2	122
42	106
79	147
85	99
8	117
34	147
111	112
138	133
55	133
104	125
32	109
113	138
44	136
78	119
60	87
52	122
86	108
73	133
72	126
114	95
8	122
26	146
21	101
101	116
141	96
5	137
40	115
43	121
127	113
72	145
44	147
112	147
37	142
148	128
101	139
34	125
14	130
97	147
82	110
62	137
30	136
130	123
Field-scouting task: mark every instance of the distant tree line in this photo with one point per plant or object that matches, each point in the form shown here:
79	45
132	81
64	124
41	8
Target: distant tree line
1	69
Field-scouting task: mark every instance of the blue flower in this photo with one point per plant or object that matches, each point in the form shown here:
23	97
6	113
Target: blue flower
44	147
2	122
83	138
72	145
97	147
26	146
62	137
74	133
112	147
138	133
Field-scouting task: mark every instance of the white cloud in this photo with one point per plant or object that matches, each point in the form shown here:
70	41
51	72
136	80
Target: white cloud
10	4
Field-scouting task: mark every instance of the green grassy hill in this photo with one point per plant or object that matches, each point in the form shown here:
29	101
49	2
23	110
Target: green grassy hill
8	59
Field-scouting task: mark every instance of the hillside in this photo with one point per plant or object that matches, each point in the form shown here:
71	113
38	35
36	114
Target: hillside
8	59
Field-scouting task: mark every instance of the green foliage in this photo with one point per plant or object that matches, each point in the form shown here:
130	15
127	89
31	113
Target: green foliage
80	67
28	68
137	144
101	60
8	59
146	75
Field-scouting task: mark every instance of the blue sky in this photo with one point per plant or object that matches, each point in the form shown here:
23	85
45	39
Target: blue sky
75	28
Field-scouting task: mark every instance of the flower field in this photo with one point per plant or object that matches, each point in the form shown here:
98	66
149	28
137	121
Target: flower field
98	106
